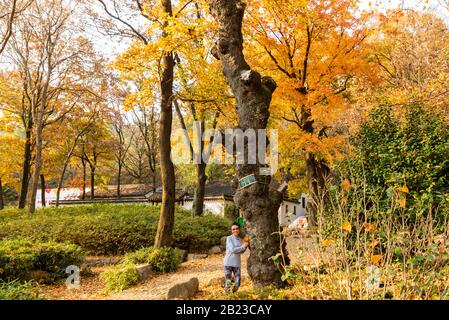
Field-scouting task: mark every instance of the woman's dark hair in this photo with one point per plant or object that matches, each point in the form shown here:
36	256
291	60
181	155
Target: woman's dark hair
235	224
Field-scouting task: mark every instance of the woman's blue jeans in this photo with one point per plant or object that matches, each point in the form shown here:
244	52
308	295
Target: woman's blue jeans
228	278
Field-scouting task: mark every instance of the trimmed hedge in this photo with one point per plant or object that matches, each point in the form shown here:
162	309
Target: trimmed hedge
108	229
22	259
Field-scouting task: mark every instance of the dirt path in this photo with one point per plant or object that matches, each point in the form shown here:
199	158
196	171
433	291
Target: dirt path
156	288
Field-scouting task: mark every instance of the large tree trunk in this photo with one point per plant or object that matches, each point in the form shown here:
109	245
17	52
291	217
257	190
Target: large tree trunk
2	202
43	191
253	94
26	166
164	235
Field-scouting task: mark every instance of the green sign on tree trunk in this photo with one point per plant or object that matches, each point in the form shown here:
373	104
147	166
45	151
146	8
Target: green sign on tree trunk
247	181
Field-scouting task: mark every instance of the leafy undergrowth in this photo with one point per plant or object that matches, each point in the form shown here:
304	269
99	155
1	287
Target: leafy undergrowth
47	261
15	290
124	275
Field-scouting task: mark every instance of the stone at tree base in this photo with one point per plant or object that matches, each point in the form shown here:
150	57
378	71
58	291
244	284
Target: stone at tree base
223	242
145	271
217	281
184	290
215	250
184	254
101	261
196	256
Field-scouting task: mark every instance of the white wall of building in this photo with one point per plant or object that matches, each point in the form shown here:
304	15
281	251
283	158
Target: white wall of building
215	206
65	194
288	211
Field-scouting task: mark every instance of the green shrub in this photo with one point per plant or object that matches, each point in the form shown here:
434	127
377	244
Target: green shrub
20	258
109	229
161	260
140	256
120	277
165	259
15	290
390	152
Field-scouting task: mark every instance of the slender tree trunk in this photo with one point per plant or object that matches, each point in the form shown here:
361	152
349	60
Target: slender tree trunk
198	197
26	166
164	235
92	183
119	178
253	93
61	177
2	202
38	158
154	180
43	191
83	162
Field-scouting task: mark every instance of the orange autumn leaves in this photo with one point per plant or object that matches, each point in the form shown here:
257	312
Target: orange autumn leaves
315	51
401	196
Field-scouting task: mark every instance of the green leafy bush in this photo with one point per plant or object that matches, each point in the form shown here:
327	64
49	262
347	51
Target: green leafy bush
391	152
140	256
120	277
161	260
109	229
165	259
20	259
15	290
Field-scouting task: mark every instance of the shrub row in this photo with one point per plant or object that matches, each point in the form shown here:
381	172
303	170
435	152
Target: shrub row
25	259
105	229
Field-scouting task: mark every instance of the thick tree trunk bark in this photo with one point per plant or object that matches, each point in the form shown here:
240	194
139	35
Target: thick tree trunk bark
164	235
43	191
26	166
253	95
198	197
2	202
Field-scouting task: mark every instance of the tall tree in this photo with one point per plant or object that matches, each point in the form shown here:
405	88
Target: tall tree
164	234
315	51
253	95
80	127
123	139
